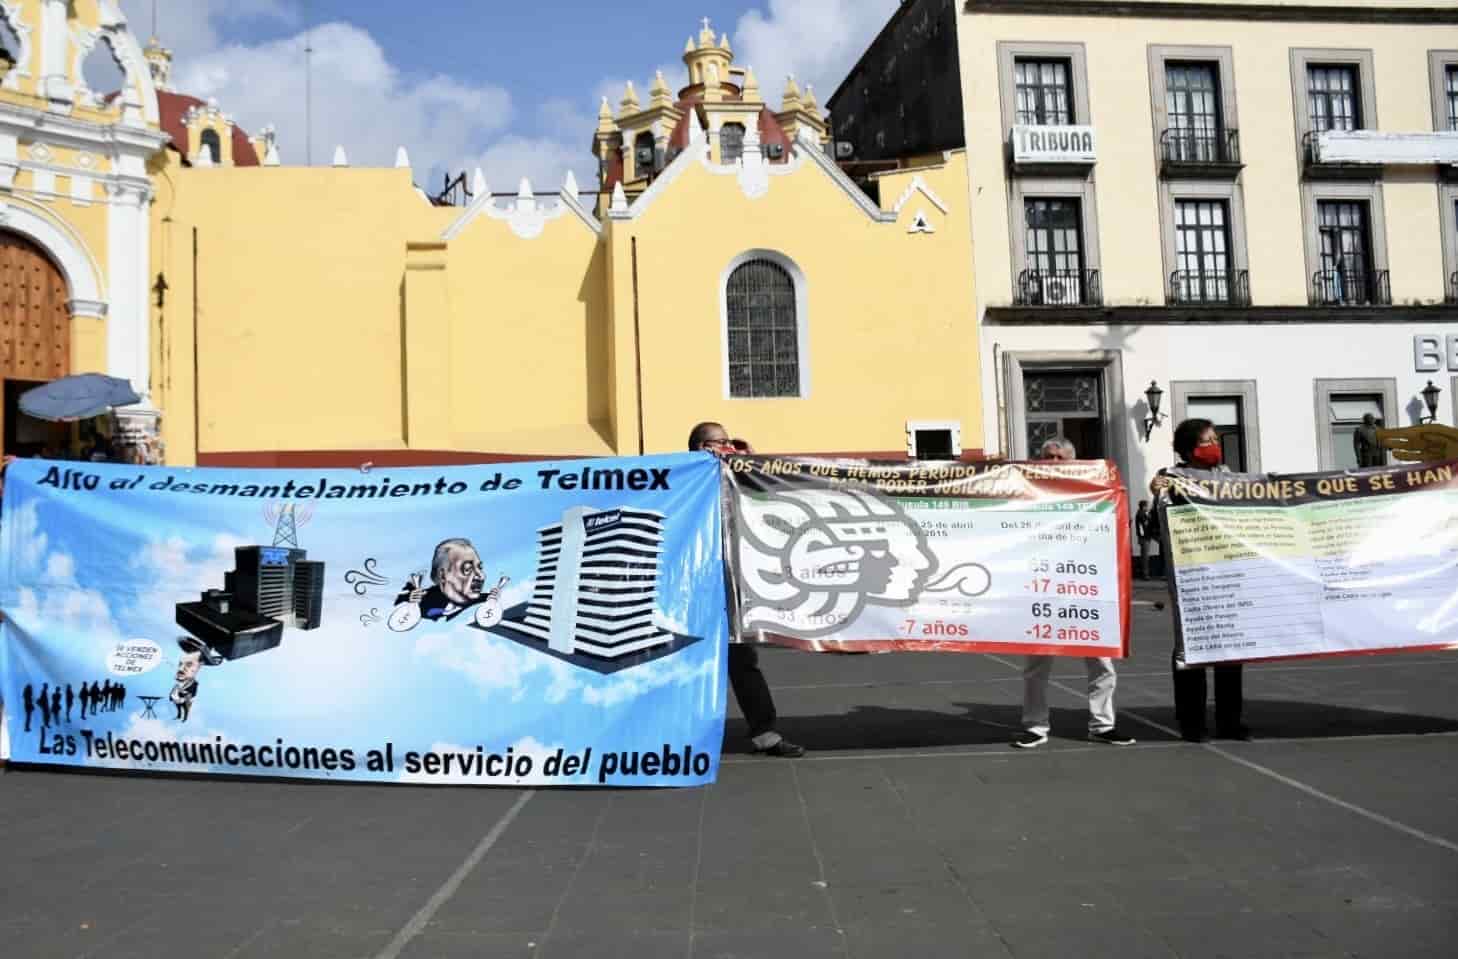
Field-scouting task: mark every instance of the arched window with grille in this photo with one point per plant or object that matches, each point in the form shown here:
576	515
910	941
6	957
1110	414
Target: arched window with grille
213	145
764	317
731	142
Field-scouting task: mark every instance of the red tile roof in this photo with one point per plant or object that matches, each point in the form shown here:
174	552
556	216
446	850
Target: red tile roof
174	106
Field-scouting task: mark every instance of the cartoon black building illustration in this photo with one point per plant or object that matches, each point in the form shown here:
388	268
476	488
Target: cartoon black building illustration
270	589
597	586
227	628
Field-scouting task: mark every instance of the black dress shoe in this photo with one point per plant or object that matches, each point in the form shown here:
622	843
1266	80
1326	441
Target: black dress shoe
784	749
1194	736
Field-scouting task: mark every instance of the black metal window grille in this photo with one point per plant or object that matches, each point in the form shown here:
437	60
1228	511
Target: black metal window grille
1192	100
1451	81
645	153
1202	249
1043	91
1064	403
764	347
1054	235
1331	92
731	142
1346	261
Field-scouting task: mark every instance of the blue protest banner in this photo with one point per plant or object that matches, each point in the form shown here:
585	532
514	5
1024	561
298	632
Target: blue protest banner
541	623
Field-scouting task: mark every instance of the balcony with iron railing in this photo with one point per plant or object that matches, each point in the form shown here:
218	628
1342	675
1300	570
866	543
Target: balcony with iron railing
1351	288
1058	288
1199	153
1209	288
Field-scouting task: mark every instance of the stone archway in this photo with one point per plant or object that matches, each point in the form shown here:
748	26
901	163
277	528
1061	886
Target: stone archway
35	334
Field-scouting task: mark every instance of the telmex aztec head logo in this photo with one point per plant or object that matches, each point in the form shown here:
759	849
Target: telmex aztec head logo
811	560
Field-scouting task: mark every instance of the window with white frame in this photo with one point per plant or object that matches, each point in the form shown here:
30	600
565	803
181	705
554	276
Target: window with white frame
763	330
1044	92
1333	97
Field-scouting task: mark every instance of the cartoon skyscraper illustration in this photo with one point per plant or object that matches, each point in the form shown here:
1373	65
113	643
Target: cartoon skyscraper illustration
597	584
270	589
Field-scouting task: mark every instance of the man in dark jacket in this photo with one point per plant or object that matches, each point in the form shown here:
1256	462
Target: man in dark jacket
751	689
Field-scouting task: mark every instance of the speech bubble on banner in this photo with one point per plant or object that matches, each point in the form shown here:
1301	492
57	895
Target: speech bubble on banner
133	657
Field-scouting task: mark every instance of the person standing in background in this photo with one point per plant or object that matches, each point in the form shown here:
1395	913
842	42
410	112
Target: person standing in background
751	690
1039	669
1197	447
1141	533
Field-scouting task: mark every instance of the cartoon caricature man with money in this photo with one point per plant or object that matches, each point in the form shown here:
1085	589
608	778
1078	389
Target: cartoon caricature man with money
458	583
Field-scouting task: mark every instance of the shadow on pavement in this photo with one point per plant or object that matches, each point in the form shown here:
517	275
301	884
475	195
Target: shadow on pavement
1286	719
981	724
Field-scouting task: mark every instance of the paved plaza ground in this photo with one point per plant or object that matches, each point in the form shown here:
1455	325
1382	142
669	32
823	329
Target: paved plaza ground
911	830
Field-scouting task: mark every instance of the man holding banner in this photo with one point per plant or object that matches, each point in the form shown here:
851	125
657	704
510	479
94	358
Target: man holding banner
751	689
1039	669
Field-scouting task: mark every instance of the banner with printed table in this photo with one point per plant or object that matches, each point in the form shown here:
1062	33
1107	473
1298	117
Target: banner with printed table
1318	564
543	623
858	556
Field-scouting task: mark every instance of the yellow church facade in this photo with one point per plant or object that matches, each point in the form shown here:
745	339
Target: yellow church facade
722	268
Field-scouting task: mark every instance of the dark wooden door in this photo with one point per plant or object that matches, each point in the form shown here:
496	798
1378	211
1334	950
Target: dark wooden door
35	318
35	337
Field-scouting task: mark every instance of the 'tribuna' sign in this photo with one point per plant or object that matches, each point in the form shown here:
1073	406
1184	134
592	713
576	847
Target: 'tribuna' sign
1052	144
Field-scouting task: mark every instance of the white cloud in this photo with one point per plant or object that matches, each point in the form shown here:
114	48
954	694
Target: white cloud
175	573
496	665
30	540
361	100
543	160
816	40
190	27
53	596
631	683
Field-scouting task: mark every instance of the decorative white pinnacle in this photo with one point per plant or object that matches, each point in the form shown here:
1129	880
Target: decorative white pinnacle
402	159
569	186
524	190
339	158
204	157
620	198
478	184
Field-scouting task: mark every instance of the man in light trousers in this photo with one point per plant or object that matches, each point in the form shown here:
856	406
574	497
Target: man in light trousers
1039	669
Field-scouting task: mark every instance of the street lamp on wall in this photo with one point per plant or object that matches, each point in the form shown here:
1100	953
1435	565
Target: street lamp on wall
1153	396
1430	397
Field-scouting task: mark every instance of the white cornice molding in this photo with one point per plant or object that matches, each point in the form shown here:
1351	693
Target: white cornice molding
526	215
34	124
753	185
918	185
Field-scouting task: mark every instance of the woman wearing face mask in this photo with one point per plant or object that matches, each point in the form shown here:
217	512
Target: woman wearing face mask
1197	446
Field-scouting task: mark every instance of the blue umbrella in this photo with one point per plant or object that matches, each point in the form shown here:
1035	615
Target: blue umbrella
77	397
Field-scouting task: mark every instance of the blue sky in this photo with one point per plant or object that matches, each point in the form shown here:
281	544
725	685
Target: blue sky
508	86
